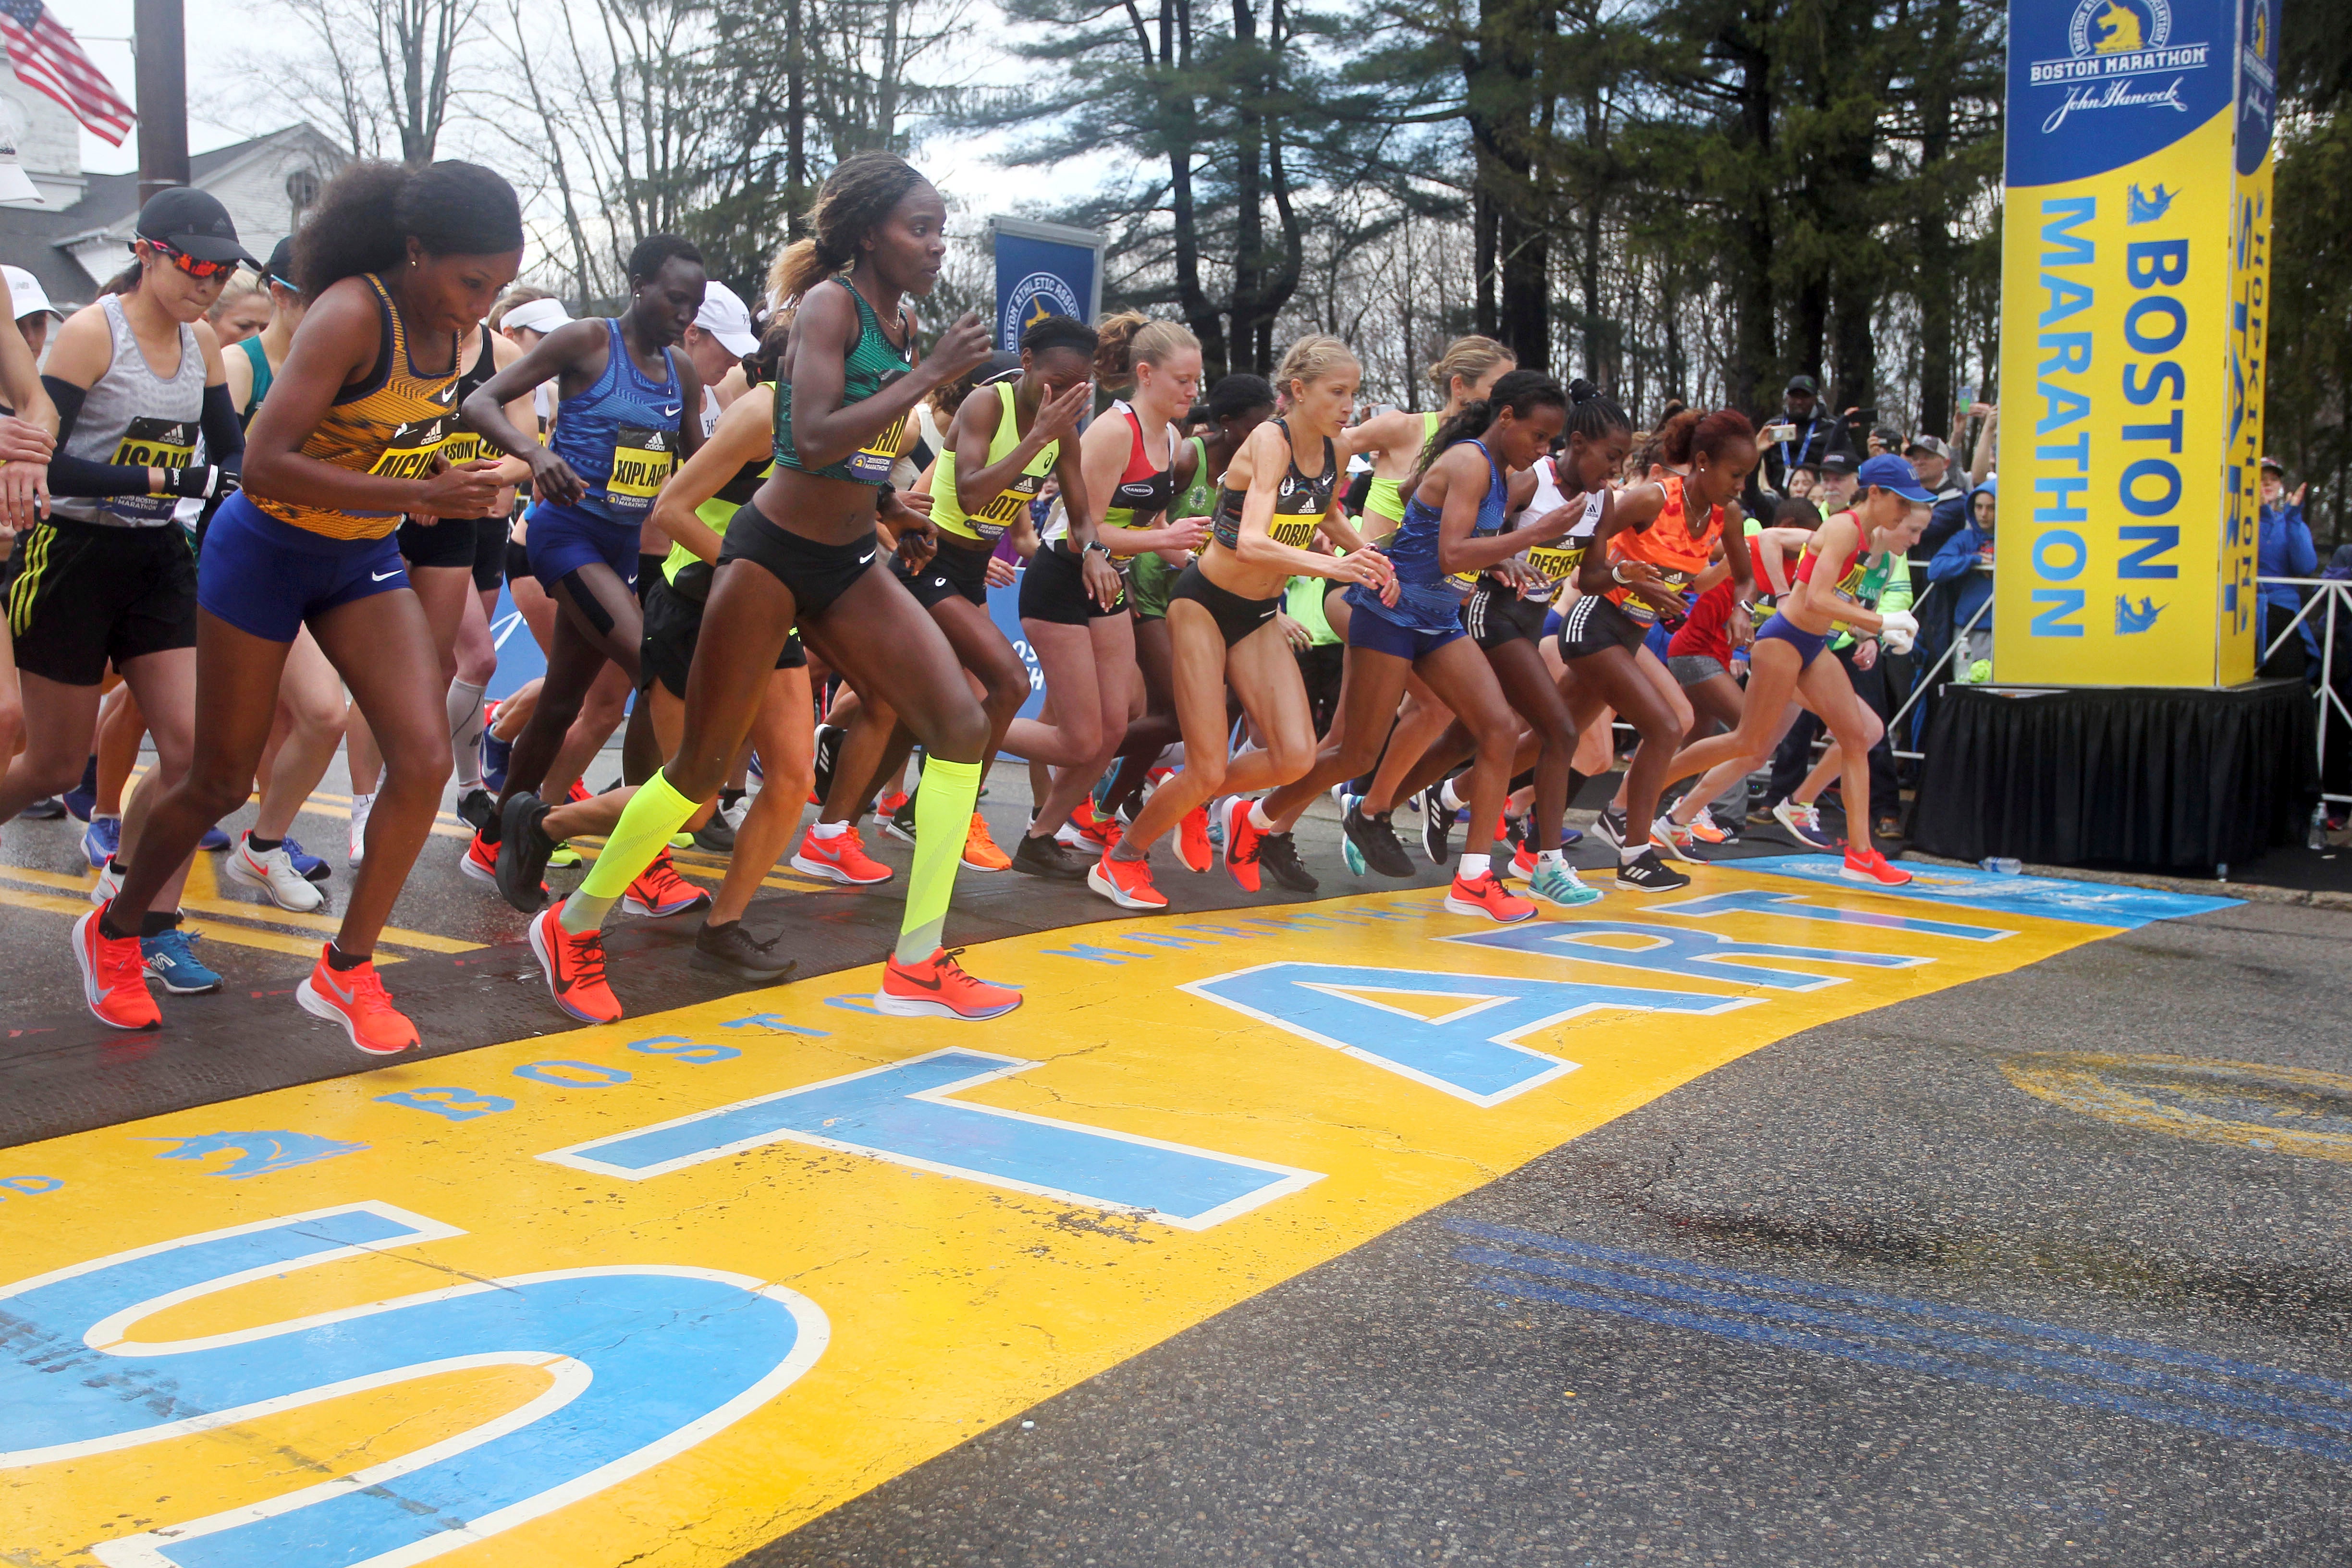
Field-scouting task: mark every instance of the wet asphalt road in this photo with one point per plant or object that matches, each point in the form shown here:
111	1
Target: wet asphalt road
1856	1299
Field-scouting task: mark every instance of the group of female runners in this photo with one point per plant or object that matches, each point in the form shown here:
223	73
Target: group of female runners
717	532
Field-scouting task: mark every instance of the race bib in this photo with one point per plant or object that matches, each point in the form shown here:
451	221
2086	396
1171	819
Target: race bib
642	460
151	443
463	447
409	450
1292	529
1555	562
990	521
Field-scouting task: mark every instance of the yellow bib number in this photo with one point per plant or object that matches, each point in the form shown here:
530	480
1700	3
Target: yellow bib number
642	460
1292	529
1555	562
1010	506
409	451
151	443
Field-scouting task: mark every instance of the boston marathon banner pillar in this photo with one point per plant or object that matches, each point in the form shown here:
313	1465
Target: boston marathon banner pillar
2135	269
1044	270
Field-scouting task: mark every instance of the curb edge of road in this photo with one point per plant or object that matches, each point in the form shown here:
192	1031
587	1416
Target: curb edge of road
2252	892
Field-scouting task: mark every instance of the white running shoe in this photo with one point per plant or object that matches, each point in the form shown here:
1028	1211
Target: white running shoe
110	882
272	871
360	806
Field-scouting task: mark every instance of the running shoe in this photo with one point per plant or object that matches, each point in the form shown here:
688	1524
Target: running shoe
1676	838
1436	824
938	987
1127	883
1279	855
1705	829
1485	895
83	799
980	850
829	756
888	804
215	839
170	959
476	807
113	976
681	840
575	967
1889	828
356	999
480	860
729	950
660	892
1242	840
1645	873
1193	850
1802	822
1371	841
716	836
564	856
309	867
733	816
899	821
110	882
523	853
49	808
1611	826
1344	795
100	840
1523	861
1870	866
840	859
360	806
1556	882
496	754
1043	855
272	871
1101	832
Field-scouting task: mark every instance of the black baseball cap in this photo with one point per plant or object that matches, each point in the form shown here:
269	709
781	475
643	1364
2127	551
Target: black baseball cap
193	223
280	268
1804	383
1839	462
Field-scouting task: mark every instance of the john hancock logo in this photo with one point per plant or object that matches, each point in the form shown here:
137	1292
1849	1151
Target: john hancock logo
2119	54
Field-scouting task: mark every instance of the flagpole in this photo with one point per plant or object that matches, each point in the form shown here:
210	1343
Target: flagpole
160	59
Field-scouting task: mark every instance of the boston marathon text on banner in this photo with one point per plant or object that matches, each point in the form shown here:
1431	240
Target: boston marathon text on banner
1044	270
2136	263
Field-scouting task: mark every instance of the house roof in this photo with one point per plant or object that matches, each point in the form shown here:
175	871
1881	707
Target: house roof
35	238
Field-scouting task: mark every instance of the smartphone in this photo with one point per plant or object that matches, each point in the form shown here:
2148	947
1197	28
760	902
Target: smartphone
1967	394
1784	431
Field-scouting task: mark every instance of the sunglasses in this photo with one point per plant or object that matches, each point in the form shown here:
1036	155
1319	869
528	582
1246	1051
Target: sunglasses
200	271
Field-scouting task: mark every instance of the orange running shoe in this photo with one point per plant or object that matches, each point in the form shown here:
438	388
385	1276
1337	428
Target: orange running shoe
1523	863
1488	896
1192	846
840	859
575	967
356	999
980	850
1870	866
889	803
1102	832
1127	883
113	976
939	988
480	860
659	890
1242	842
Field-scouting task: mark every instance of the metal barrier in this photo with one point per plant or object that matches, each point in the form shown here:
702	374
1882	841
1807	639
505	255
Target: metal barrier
2335	594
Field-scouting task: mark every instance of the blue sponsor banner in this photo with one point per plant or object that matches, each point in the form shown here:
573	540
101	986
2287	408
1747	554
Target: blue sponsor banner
1965	887
1043	270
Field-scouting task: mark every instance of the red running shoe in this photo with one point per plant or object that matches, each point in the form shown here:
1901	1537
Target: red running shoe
1242	842
1192	846
1870	866
113	976
480	860
1488	896
659	890
1127	883
938	987
1102	832
575	967
1523	862
356	999
888	804
840	859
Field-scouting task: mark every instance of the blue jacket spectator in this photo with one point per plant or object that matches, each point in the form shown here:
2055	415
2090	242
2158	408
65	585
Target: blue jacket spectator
1956	561
2284	549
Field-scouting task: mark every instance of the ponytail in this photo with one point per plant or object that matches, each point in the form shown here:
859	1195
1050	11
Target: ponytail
854	200
1130	339
1520	391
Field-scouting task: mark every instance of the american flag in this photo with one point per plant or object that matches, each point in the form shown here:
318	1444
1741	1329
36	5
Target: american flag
47	60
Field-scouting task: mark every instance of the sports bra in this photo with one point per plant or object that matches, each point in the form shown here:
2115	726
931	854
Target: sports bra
1668	545
1299	506
1143	491
1428	597
620	432
1558	561
1865	579
1386	496
873	362
1005	508
394	423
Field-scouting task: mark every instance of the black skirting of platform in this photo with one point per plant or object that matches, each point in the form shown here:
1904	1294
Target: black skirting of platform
2161	779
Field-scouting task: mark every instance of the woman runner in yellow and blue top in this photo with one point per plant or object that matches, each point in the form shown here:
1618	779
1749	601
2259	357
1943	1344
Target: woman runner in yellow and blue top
803	552
396	262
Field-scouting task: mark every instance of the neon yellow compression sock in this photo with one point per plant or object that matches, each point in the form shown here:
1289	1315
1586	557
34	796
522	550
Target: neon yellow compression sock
653	814
942	821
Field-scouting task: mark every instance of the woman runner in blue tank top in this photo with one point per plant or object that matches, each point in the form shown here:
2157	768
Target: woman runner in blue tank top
1452	531
630	412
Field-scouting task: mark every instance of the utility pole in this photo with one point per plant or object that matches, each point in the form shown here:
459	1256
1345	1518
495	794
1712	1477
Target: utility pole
160	61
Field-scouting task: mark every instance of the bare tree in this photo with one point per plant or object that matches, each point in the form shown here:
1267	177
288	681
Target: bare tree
383	72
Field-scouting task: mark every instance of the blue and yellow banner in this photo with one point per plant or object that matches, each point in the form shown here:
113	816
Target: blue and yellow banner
2134	261
1044	270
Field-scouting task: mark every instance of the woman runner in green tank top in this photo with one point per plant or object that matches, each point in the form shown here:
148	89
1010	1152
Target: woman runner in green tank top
801	553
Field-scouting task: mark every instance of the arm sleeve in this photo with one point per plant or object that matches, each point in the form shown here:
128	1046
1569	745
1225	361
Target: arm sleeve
224	433
83	476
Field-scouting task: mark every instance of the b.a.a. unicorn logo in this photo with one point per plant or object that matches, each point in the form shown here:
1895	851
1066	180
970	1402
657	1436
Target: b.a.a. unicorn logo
2131	618
257	1154
2119	27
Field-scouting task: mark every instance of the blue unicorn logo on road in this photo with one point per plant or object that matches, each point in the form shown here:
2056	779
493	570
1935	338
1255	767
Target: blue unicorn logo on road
257	1154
